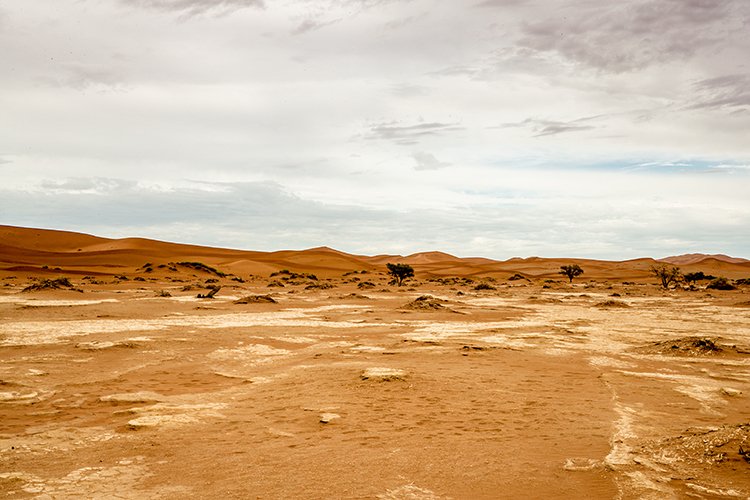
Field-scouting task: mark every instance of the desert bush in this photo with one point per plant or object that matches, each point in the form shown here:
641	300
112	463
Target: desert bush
319	286
721	284
200	266
55	284
484	286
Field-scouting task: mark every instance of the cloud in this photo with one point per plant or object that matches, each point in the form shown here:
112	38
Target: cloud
91	185
633	34
81	76
500	3
195	7
541	127
427	161
728	92
312	24
409	90
410	134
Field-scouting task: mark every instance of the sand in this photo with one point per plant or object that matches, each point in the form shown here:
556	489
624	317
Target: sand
123	391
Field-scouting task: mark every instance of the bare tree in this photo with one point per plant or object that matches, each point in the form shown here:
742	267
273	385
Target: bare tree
666	274
571	271
400	272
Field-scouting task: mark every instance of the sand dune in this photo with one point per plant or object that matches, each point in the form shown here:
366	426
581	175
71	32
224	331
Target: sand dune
27	250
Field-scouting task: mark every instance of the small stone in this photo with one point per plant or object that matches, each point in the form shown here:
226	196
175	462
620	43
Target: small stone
328	417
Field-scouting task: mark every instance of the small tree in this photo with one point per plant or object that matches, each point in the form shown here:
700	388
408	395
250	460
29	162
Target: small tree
693	277
400	272
666	274
571	271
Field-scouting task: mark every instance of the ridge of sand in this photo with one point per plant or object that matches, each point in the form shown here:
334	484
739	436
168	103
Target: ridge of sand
45	251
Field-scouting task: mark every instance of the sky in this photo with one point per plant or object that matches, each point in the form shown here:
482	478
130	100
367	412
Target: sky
495	128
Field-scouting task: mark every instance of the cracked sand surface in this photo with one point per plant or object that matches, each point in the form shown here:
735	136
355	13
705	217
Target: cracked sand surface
524	391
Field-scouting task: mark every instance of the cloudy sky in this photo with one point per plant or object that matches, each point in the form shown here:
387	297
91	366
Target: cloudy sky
497	128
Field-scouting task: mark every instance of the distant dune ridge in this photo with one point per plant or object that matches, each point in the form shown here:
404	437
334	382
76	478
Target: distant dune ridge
57	252
695	258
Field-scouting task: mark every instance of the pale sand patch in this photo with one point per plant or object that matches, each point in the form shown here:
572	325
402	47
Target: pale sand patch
13	299
133	397
383	374
409	492
50	332
248	350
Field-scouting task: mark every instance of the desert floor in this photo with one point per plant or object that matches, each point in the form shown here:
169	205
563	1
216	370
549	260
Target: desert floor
594	390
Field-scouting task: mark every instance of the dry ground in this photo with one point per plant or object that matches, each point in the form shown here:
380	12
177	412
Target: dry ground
519	392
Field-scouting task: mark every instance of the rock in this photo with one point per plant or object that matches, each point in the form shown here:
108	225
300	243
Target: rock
326	418
730	392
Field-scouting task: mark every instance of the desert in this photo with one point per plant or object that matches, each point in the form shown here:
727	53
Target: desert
308	374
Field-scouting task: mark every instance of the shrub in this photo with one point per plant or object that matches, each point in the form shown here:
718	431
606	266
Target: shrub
721	284
484	286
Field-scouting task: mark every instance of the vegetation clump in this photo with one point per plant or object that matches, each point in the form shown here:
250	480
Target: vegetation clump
517	277
696	276
56	284
612	303
690	346
286	275
200	266
319	286
484	286
721	284
256	299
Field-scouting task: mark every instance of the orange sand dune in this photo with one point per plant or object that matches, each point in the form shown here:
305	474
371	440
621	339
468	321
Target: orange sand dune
52	251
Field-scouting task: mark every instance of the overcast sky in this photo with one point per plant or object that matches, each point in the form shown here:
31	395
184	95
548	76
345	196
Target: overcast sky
496	128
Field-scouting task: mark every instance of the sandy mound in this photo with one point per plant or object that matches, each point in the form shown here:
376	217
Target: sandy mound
709	447
380	374
689	346
610	304
256	299
425	303
354	296
56	284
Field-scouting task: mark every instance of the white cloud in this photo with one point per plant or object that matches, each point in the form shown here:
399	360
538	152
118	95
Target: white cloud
542	134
